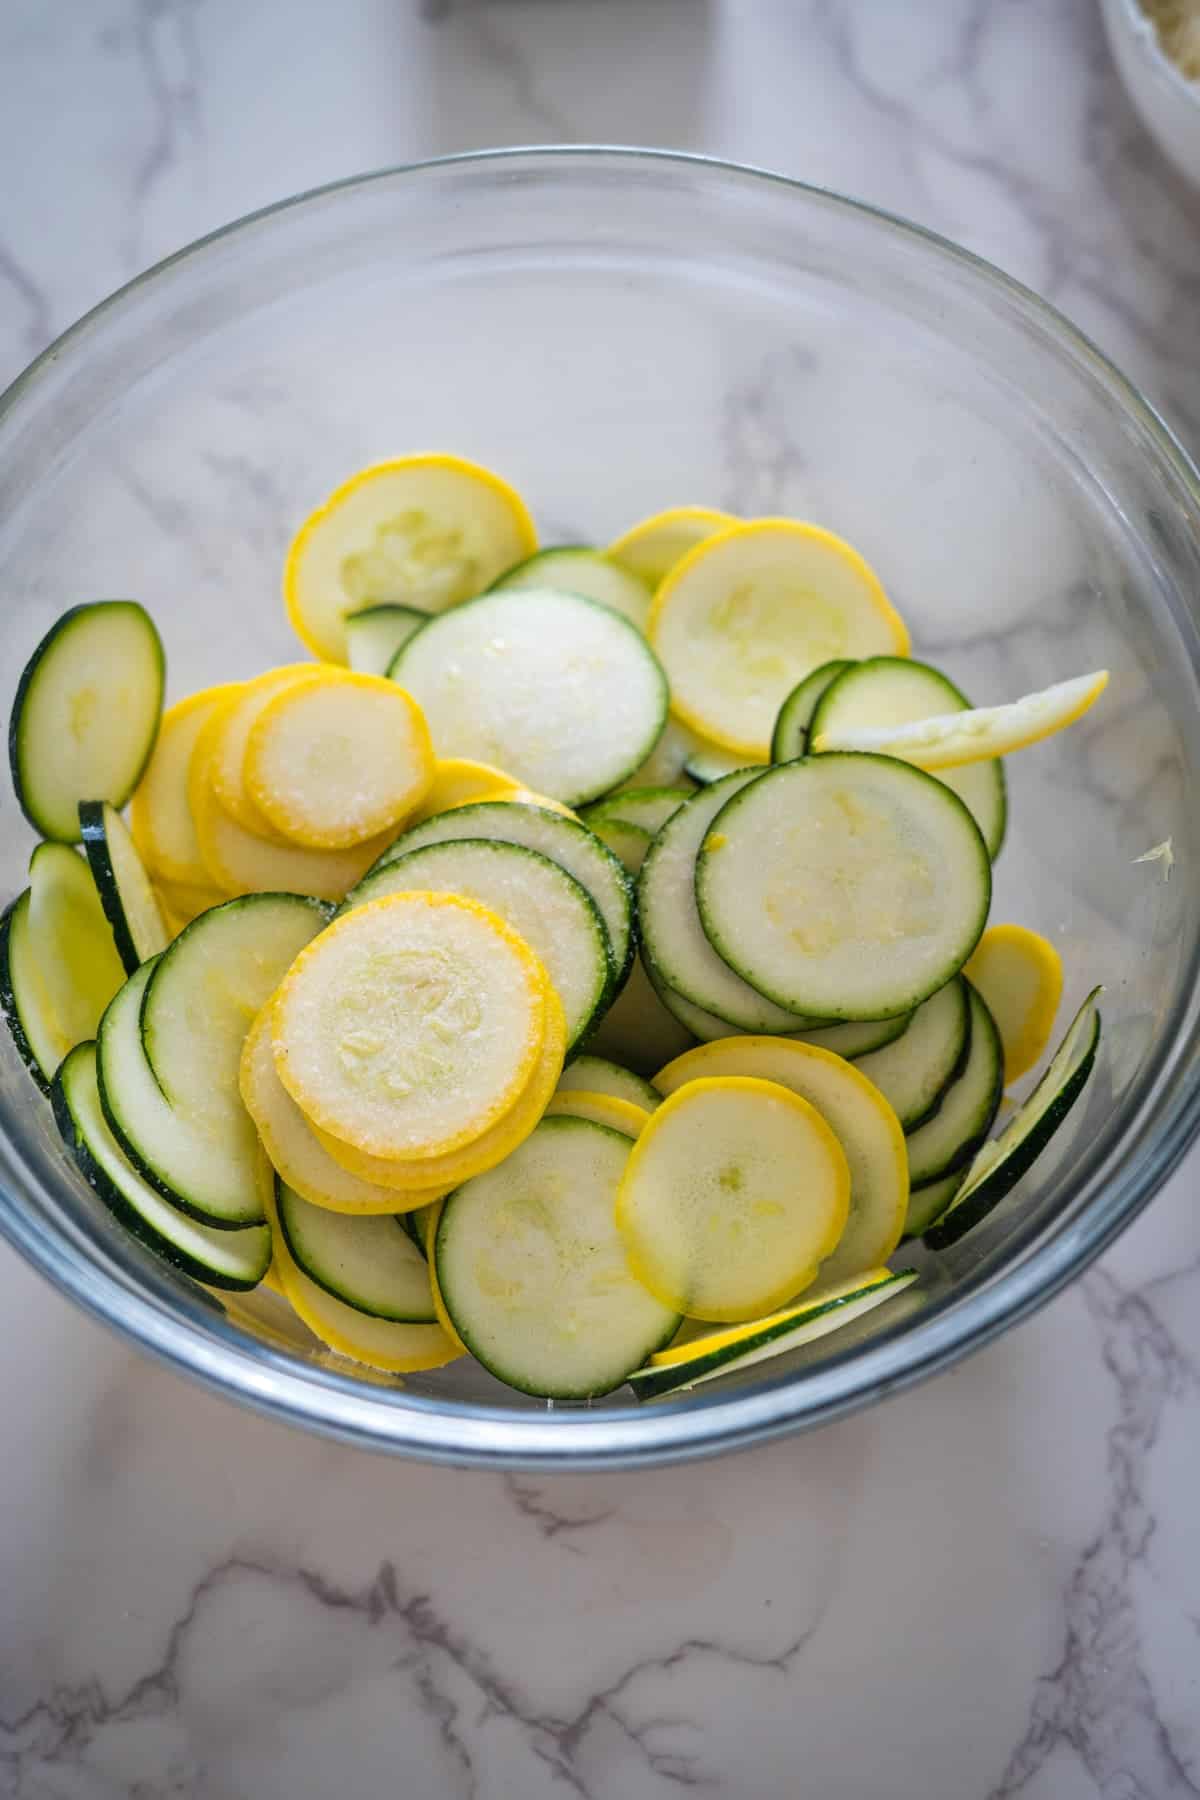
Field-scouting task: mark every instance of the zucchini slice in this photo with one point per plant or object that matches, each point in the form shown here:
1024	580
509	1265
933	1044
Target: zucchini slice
751	611
844	886
648	808
160	816
221	1259
602	1109
1000	1164
736	1192
927	1204
71	943
639	1029
209	1176
295	1152
790	736
596	1075
376	633
423	531
964	1116
410	1026
709	765
578	569
415	1225
86	714
126	894
557	918
671	928
565	841
859	1038
664	767
914	1071
1020	975
895	690
218	974
369	1264
562	692
629	843
532	1271
332	762
24	997
651	548
855	1111
740	1347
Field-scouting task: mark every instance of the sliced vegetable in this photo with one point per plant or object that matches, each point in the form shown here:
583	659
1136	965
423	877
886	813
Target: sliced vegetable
651	548
222	1259
790	736
596	1075
855	1111
370	1264
333	762
927	1204
556	917
457	781
601	1109
533	1273
423	531
563	693
565	841
740	1347
375	633
847	887
411	1025
629	843
160	817
225	743
750	612
952	739
1000	1164
126	894
71	945
736	1191
859	1038
24	997
576	569
647	808
86	714
671	927
707	766
638	1029
664	767
895	690
1020	975
914	1071
964	1116
295	1151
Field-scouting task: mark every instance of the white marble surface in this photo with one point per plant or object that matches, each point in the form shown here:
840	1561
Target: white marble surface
989	1587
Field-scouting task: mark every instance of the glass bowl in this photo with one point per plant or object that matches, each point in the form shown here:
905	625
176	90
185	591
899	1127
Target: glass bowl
615	332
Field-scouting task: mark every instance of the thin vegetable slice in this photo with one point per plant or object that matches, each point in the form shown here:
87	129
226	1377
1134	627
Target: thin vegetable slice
160	816
226	743
647	808
927	1203
601	1109
85	714
563	693
741	1347
411	1025
532	1271
333	762
964	1116
578	569
457	781
914	1071
638	1028
856	1112
846	887
736	1191
375	633
896	690
790	736
953	739
370	1264
222	1259
125	890
295	1151
1001	1163
750	612
651	548
1020	975
709	765
71	945
597	1075
24	997
423	531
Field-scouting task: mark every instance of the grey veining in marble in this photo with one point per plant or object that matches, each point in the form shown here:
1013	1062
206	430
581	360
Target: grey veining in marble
989	1587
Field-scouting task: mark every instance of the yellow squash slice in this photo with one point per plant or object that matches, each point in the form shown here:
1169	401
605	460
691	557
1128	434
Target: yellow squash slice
952	740
159	815
332	762
601	1109
424	531
227	767
651	548
411	1025
751	611
735	1193
1020	975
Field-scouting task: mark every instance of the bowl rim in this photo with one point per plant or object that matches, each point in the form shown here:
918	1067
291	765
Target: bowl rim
230	1362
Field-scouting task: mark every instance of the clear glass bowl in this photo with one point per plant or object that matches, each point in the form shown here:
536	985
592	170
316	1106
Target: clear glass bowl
618	331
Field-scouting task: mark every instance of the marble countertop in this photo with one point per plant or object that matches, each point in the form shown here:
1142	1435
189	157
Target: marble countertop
987	1587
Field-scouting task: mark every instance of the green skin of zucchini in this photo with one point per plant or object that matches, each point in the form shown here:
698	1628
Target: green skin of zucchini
95	844
8	998
999	1181
116	1203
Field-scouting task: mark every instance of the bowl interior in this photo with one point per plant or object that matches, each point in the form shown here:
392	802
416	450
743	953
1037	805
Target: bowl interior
616	333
